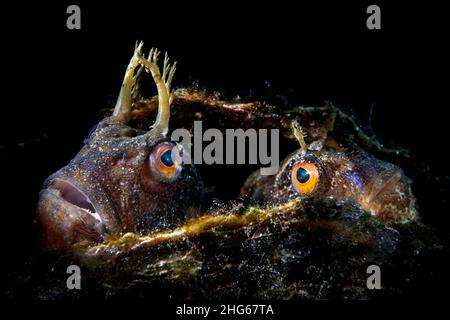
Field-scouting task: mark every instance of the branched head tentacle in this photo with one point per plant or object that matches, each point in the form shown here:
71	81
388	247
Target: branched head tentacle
299	135
163	83
122	110
137	64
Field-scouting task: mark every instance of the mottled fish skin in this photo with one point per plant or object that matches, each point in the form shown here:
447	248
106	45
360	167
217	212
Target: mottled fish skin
114	184
378	187
345	155
112	170
109	188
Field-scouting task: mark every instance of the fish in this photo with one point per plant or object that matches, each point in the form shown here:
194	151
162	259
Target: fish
339	203
123	179
338	173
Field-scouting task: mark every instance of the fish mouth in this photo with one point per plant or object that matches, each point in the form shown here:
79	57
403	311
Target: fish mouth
71	194
66	215
390	198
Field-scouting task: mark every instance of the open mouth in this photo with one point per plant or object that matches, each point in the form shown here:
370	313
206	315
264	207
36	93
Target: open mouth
72	194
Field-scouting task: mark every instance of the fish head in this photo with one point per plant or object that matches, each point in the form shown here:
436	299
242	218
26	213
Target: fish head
123	179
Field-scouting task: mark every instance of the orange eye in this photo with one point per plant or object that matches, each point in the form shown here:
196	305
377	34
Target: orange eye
165	162
304	177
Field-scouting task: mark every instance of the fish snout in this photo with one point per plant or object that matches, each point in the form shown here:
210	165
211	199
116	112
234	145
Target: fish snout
66	215
390	198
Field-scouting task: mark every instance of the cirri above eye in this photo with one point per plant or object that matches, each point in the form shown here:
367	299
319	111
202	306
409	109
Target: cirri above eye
165	162
304	177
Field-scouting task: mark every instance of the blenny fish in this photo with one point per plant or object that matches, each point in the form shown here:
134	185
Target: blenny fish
141	222
130	179
339	173
123	179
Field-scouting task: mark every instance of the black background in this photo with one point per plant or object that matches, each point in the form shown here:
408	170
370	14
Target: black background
57	80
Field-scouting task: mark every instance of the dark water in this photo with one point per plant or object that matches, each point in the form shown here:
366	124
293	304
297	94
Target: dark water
285	55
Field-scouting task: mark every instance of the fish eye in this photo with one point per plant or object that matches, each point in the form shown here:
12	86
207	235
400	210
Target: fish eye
304	177
165	162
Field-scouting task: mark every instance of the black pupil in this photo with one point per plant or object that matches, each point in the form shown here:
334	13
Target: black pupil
302	175
166	158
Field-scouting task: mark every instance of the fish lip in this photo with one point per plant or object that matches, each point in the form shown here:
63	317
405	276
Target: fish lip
73	196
